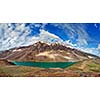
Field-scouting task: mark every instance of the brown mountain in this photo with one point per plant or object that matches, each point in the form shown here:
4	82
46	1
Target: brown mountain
45	52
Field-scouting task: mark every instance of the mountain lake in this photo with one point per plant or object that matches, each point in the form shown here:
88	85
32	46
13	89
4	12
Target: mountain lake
44	64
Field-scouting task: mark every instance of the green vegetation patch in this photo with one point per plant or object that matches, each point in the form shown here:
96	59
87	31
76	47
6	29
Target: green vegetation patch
94	67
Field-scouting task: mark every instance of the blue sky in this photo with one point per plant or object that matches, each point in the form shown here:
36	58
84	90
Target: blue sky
83	36
92	30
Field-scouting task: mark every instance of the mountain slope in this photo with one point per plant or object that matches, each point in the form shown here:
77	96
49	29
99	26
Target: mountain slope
41	51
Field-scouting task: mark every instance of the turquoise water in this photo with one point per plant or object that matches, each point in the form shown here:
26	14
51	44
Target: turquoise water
45	64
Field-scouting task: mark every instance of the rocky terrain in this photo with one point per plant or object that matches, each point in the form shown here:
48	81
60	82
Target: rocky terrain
45	52
86	68
87	65
5	62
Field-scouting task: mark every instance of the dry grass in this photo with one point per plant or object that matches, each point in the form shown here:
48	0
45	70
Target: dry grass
72	71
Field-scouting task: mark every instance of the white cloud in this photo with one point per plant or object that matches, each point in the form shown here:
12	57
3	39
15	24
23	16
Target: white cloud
75	30
68	42
45	36
98	46
90	50
17	35
95	25
12	37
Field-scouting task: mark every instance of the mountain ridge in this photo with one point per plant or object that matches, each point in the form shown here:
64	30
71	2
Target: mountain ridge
41	51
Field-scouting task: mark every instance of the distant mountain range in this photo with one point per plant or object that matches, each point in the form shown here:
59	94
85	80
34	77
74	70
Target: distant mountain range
43	52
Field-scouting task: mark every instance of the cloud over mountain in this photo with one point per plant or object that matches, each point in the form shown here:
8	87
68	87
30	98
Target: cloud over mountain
18	35
22	34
